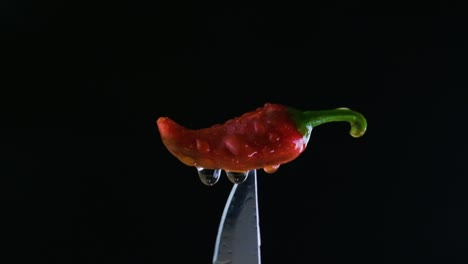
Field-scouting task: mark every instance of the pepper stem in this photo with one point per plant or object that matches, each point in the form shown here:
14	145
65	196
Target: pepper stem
306	120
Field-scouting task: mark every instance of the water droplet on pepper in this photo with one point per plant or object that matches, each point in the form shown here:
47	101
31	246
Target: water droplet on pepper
237	177
271	169
209	177
203	146
273	137
233	143
259	127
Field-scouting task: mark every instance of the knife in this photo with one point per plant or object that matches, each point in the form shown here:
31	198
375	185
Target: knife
238	238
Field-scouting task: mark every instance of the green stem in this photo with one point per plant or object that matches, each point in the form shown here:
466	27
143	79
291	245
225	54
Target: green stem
306	120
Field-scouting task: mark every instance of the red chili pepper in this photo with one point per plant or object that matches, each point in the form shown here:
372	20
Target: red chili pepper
265	138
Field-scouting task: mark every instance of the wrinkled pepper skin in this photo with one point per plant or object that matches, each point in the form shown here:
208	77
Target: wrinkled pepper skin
264	138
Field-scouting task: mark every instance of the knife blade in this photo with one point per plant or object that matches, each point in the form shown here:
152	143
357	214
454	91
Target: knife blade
238	238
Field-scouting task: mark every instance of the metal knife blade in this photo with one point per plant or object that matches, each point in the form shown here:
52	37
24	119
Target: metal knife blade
238	239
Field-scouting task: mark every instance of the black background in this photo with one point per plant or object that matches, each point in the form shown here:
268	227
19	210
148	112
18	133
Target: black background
85	177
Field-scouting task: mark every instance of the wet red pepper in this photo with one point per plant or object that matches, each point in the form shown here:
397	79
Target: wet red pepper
264	138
